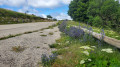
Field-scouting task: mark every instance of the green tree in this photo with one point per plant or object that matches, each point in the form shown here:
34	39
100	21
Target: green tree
102	13
109	12
49	16
78	10
54	19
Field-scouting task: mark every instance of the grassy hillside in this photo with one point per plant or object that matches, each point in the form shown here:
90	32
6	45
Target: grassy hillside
12	17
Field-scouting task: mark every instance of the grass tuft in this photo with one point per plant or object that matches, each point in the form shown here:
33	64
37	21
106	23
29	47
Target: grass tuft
43	35
28	32
53	45
51	33
38	47
18	48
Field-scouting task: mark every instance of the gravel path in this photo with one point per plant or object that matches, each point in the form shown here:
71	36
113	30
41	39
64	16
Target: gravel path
35	45
13	29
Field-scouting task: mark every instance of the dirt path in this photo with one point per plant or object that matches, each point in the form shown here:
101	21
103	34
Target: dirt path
35	45
13	29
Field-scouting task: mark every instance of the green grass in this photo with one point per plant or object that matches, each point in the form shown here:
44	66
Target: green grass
53	45
18	49
10	36
28	32
50	27
12	17
41	32
43	35
72	54
108	32
37	47
51	33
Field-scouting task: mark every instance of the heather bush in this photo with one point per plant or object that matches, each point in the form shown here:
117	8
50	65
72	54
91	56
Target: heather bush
47	61
71	31
62	26
75	32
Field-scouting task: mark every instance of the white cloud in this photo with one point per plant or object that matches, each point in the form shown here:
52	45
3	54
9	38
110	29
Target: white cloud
47	3
15	3
58	16
43	15
43	3
24	9
30	11
61	16
35	3
66	1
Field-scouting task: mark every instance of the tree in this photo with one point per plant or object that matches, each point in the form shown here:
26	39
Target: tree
78	10
109	11
54	19
106	11
49	16
100	13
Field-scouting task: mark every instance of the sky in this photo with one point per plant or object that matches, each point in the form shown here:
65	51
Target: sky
56	8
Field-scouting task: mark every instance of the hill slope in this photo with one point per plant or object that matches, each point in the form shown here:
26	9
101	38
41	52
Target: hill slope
12	17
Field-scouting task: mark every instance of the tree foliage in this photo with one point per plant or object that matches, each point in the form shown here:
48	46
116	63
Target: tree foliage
78	10
102	13
49	16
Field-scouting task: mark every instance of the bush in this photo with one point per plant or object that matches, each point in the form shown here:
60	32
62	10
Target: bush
97	21
47	61
62	26
91	19
75	32
71	31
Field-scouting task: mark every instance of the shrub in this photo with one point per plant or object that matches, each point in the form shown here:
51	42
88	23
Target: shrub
75	32
53	45
47	61
62	26
71	31
97	21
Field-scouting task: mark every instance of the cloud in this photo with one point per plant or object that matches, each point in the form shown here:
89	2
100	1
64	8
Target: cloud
30	11
66	1
47	3
61	16
58	16
24	9
43	15
43	3
35	3
15	3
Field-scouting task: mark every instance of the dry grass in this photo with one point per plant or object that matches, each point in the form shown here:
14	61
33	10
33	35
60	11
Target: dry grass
18	48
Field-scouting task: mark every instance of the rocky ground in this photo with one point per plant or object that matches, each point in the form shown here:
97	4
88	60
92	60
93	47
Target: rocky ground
35	44
12	29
